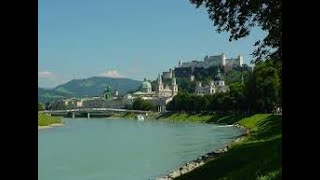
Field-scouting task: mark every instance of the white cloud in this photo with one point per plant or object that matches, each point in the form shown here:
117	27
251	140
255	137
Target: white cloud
45	74
112	73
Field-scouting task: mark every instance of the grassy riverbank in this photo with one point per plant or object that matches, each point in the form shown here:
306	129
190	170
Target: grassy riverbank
46	120
203	117
257	157
127	115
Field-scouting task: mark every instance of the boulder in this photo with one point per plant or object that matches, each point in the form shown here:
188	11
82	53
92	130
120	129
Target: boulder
184	171
175	174
225	149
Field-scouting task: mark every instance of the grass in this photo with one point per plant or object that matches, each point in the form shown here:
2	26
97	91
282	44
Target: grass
186	117
45	120
126	115
203	117
129	115
257	157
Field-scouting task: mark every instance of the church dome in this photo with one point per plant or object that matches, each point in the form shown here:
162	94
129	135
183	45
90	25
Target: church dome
146	84
108	89
218	77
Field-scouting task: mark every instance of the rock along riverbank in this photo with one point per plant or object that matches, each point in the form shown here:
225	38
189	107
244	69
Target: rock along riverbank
50	126
190	166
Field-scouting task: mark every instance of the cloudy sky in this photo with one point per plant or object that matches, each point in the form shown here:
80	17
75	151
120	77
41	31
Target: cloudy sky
132	39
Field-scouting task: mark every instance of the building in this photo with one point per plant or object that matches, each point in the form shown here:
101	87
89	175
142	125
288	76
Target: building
145	91
109	98
209	61
167	75
109	93
166	91
162	95
215	86
92	102
185	69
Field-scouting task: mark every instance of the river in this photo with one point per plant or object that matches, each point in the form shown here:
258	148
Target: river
120	149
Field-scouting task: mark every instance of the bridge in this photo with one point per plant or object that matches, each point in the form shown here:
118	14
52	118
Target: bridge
90	111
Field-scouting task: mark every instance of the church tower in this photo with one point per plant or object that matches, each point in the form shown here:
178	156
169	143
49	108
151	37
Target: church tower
174	85
159	87
211	89
219	81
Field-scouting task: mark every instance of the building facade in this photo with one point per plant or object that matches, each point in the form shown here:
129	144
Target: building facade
166	91
109	99
167	75
215	86
185	69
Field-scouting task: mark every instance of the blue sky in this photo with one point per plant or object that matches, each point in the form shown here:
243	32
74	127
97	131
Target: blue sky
134	39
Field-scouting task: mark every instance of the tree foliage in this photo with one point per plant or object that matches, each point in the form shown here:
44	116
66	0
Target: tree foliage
264	88
239	16
185	85
140	104
40	107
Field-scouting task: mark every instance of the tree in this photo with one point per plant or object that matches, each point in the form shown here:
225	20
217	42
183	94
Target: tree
239	16
238	95
140	104
263	87
233	76
185	85
40	107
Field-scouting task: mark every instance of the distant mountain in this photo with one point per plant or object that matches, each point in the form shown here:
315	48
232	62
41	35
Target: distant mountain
87	87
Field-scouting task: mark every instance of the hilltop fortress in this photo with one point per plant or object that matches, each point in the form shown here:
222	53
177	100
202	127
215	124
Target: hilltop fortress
188	69
209	61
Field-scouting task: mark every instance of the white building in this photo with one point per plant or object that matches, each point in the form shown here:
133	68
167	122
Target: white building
209	61
162	94
215	86
166	91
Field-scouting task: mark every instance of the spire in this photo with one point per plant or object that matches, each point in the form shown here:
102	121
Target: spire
174	81
218	76
159	79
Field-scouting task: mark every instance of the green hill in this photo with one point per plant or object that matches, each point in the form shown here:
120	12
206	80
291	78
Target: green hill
87	87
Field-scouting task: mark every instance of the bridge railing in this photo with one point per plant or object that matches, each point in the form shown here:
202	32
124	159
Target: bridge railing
94	110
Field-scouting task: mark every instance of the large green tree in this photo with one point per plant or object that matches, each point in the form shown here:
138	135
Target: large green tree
238	96
264	87
239	16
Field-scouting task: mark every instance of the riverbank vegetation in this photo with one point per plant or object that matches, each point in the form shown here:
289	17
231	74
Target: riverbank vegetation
202	117
140	104
257	157
46	120
129	115
125	115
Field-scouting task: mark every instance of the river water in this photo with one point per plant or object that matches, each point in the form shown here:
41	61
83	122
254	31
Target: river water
120	149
